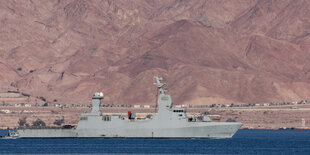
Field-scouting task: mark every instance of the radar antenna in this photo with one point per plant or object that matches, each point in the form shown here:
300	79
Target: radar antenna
160	85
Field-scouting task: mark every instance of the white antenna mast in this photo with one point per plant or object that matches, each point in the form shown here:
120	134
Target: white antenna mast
159	85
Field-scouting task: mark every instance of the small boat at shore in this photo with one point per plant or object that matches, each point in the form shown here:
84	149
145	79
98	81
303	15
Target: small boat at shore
11	135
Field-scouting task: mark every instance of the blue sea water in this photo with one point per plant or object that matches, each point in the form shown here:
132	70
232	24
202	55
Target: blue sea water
244	142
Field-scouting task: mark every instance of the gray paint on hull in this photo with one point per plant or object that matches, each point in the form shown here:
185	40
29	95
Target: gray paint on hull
207	131
203	131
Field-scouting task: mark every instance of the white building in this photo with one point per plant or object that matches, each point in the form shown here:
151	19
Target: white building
136	106
6	111
147	106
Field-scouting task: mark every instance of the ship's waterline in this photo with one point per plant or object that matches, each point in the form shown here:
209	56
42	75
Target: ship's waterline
169	122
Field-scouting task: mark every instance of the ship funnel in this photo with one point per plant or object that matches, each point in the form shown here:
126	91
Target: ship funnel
96	101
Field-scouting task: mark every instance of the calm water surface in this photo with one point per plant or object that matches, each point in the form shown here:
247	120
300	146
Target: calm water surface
244	142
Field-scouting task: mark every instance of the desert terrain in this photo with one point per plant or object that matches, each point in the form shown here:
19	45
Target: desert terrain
209	51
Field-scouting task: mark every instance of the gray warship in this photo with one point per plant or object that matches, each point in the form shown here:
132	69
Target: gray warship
168	122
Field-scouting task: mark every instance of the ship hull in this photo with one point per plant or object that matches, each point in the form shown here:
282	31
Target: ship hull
212	130
207	130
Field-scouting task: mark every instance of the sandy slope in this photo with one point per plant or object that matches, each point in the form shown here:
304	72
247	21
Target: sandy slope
209	51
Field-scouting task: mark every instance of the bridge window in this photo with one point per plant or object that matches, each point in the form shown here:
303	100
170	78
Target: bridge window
83	118
106	118
178	110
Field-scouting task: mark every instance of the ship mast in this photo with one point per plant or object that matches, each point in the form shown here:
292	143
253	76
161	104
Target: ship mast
96	101
160	85
164	102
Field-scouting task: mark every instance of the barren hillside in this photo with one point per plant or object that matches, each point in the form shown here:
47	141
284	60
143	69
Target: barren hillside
211	51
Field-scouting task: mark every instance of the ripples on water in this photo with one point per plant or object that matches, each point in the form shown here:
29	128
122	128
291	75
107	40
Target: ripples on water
244	142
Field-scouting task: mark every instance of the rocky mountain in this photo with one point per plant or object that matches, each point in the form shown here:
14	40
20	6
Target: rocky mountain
209	51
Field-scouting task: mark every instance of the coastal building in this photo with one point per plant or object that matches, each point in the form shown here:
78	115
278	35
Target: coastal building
147	106
6	111
58	105
136	106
